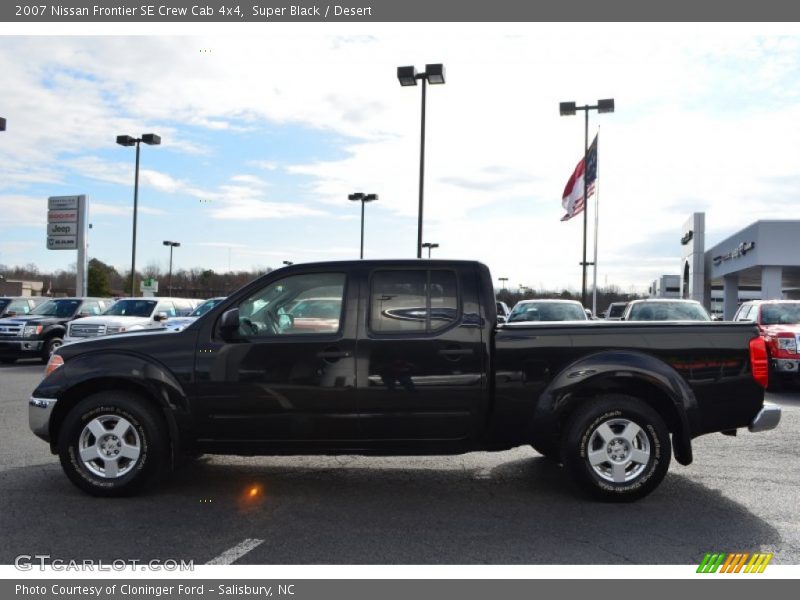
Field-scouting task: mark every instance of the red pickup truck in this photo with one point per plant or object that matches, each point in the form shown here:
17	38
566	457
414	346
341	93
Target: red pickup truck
779	324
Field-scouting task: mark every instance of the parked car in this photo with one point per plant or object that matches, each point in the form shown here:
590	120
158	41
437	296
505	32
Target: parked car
658	309
11	306
779	324
129	314
502	311
178	323
41	332
547	310
615	311
610	401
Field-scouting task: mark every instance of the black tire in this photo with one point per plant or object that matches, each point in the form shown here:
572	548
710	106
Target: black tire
8	361
625	468
141	427
50	346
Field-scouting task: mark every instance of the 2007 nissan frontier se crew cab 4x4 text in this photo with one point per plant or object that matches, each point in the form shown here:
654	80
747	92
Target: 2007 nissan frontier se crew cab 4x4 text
410	361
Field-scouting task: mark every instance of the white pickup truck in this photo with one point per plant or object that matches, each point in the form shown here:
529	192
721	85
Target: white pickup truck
130	314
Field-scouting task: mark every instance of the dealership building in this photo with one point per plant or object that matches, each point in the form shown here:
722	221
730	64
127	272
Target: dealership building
760	261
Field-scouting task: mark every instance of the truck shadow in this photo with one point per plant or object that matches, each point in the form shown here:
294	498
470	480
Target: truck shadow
400	510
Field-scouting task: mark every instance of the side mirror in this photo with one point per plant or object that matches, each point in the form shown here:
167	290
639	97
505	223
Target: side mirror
501	319
229	324
82	315
162	316
285	321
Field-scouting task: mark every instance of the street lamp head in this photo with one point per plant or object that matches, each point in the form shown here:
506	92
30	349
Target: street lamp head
151	139
126	140
288	263
434	73
166	243
173	244
407	75
356	197
370	197
605	106
566	108
2	124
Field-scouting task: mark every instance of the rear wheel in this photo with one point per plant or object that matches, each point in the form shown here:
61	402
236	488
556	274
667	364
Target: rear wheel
616	448
113	444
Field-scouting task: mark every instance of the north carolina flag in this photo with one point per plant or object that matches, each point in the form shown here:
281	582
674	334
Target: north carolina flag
572	198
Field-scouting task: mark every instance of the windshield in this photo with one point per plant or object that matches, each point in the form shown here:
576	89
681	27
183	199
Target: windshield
616	310
57	308
131	308
547	311
205	307
668	311
781	313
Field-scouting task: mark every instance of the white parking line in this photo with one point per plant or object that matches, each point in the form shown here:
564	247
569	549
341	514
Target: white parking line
231	555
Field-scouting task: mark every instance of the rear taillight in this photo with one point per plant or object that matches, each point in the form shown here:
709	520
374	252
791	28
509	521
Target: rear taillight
759	361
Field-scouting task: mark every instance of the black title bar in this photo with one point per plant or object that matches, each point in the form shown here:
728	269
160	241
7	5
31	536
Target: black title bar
374	11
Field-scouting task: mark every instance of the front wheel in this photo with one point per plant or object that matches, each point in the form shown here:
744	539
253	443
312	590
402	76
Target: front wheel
616	448
50	346
113	444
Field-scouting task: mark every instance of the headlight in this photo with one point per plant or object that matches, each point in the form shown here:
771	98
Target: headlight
788	343
115	328
32	330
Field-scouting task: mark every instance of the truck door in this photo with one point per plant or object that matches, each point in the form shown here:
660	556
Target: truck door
420	359
283	378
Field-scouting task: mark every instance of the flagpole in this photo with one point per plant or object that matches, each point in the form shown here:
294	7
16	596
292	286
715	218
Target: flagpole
596	222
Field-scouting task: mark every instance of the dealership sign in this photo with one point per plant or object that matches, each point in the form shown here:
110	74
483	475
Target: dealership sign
740	250
66	230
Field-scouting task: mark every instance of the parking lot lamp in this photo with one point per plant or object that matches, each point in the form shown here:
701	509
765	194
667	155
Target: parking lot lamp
568	109
151	139
288	263
503	280
171	246
429	246
363	198
408	76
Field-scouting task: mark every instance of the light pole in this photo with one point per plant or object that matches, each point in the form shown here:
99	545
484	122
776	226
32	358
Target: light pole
364	198
171	246
407	76
429	246
568	109
151	139
503	280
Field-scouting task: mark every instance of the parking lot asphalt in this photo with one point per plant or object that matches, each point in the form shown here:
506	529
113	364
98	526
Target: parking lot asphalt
515	507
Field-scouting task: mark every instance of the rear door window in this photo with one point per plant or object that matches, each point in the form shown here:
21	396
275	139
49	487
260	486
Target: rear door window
413	301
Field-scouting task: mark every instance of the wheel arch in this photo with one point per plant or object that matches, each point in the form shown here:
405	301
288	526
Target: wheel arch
631	373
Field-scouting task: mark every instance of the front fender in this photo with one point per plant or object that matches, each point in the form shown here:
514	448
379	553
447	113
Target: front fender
621	371
95	371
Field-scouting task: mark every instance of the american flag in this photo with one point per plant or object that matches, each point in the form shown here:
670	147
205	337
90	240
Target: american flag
572	198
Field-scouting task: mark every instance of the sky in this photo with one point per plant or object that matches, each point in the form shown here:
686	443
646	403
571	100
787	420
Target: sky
267	129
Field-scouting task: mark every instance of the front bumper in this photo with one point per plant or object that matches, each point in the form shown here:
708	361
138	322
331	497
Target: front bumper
20	347
767	418
39	411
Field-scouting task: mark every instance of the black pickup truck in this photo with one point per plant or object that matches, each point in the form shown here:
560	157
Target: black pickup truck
402	357
40	332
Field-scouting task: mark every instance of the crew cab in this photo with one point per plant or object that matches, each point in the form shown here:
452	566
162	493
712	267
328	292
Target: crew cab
11	306
130	314
779	324
41	331
415	364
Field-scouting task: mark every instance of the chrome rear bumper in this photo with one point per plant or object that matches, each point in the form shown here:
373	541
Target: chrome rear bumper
767	418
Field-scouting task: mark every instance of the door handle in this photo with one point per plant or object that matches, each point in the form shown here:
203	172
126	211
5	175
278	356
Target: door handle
455	352
332	354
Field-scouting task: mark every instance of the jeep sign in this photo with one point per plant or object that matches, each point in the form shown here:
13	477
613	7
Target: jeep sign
67	229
